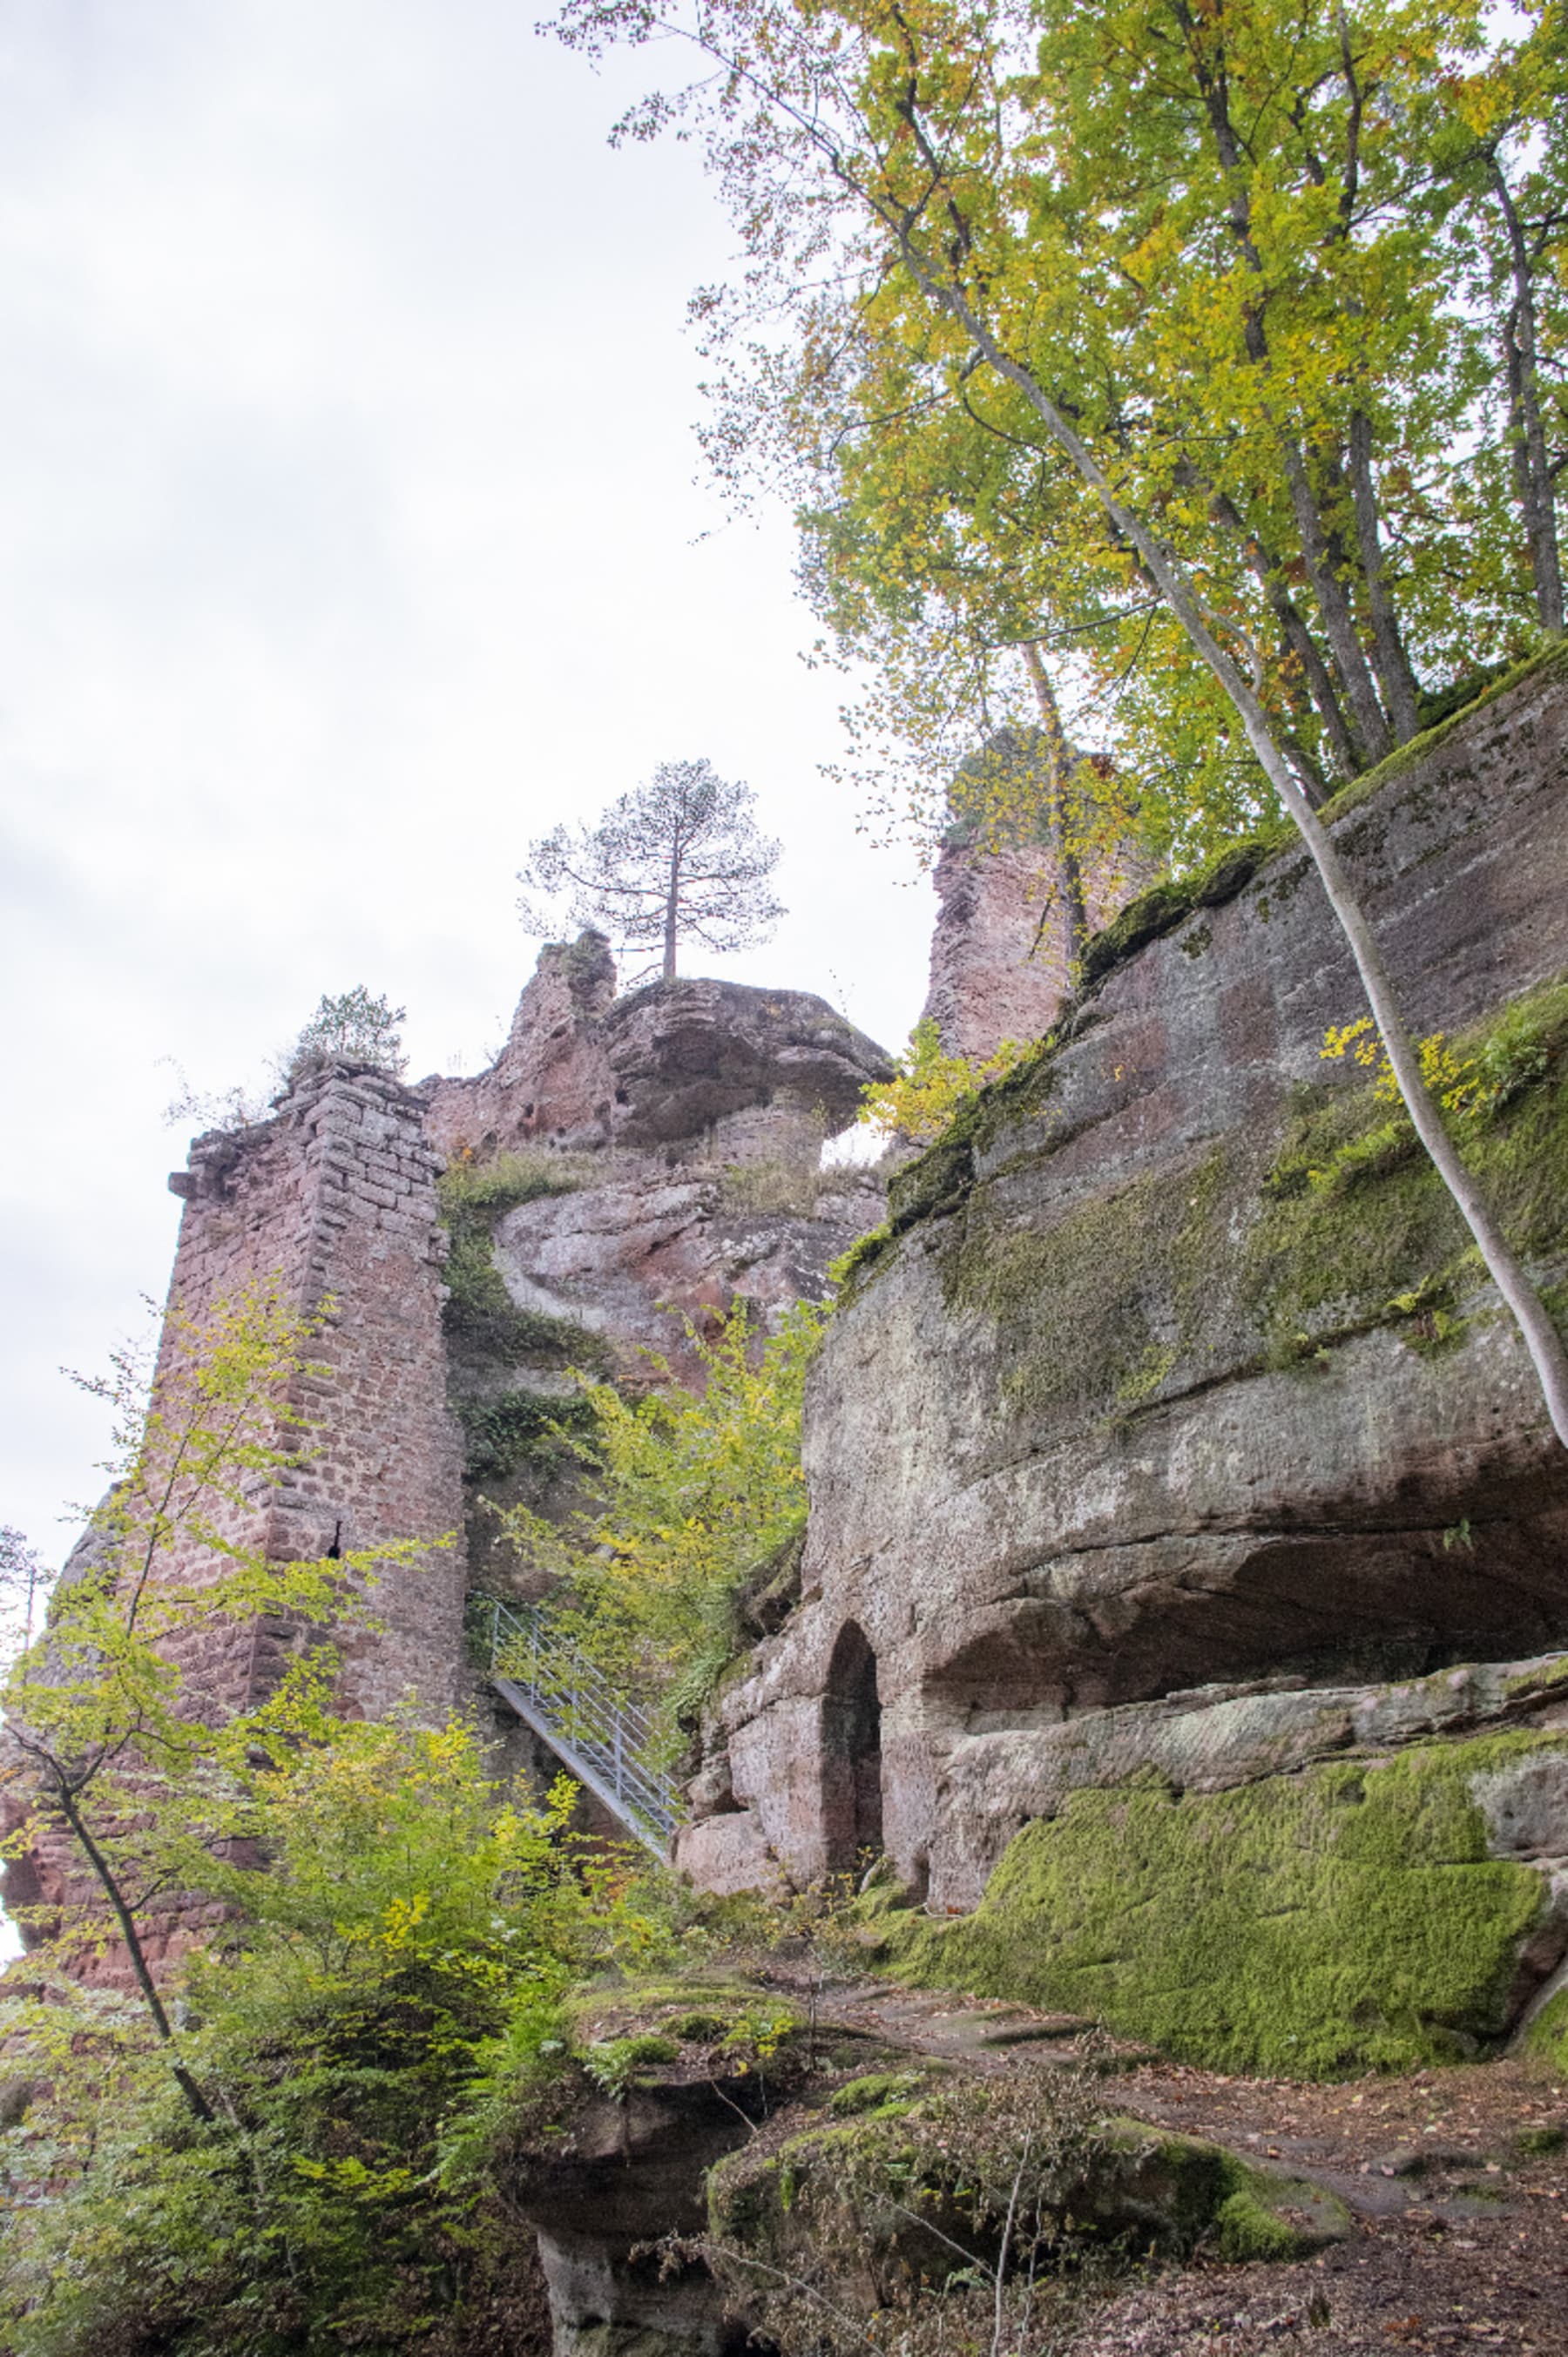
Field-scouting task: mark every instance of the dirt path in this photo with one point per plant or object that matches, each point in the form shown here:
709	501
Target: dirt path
1457	2181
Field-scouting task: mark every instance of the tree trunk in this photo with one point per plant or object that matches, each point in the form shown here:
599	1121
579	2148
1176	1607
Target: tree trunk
1370	728
1395	676
1056	803
1532	468
1324	558
1298	640
1539	1334
108	1882
671	914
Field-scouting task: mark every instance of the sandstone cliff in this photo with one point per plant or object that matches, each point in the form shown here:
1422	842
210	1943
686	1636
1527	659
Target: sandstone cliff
1174	1372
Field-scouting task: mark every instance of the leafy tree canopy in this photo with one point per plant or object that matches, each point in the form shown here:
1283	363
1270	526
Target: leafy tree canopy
1293	274
1178	263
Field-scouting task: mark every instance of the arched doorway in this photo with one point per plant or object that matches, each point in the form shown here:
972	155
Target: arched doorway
852	1753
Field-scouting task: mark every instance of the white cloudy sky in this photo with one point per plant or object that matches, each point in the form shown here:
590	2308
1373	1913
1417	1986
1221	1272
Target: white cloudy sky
353	532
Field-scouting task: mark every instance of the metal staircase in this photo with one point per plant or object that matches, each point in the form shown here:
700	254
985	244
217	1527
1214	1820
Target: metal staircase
605	1741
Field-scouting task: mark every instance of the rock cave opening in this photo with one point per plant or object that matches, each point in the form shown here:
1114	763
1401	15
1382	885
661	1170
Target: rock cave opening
852	1753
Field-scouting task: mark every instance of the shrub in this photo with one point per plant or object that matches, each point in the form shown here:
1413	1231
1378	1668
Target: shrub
692	1495
350	1029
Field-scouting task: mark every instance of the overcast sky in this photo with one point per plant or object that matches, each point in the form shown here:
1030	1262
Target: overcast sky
354	532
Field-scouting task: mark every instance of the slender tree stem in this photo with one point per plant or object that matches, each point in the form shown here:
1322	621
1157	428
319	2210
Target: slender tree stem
1394	674
132	1937
1533	471
1057	818
672	912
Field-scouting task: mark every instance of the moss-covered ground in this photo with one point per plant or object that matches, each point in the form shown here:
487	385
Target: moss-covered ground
1312	1926
921	2175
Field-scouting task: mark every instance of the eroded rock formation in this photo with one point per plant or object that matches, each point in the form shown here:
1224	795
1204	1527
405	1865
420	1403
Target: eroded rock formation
1175	1368
1002	953
690	1118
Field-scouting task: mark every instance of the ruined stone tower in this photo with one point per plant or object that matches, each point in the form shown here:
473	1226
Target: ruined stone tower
332	1200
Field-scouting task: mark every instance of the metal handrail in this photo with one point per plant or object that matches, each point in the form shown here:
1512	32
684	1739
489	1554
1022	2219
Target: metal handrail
609	1743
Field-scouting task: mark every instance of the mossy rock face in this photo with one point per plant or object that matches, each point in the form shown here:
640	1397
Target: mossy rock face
1184	2190
1174	2193
1547	2036
1310	1926
1270	1249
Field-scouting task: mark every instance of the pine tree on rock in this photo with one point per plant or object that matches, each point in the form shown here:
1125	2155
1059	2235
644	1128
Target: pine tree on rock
680	858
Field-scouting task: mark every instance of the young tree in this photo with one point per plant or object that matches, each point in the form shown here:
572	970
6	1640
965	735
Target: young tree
689	1495
928	1086
352	1028
680	857
376	2015
114	1739
24	1590
1163	245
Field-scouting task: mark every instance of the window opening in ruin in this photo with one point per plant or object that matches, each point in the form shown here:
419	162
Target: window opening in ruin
851	1754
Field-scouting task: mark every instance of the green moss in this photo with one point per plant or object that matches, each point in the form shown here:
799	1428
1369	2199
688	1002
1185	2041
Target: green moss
1342	1919
895	2164
1548	2033
1247	2226
851	1268
1169	904
937	1179
650	2047
630	2007
1357	1229
1546	1680
1095	1312
480	1310
1362	789
698	2028
1540	2144
1195	2193
1333	1227
874	2093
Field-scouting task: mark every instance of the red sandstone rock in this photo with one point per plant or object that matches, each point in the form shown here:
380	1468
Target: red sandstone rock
716	1071
1001	951
1034	1512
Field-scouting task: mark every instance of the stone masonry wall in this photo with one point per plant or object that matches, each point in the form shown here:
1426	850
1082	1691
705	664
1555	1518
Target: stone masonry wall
334	1197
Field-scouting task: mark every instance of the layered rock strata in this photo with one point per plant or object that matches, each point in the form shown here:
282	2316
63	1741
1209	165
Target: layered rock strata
1174	1367
701	1070
687	1121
